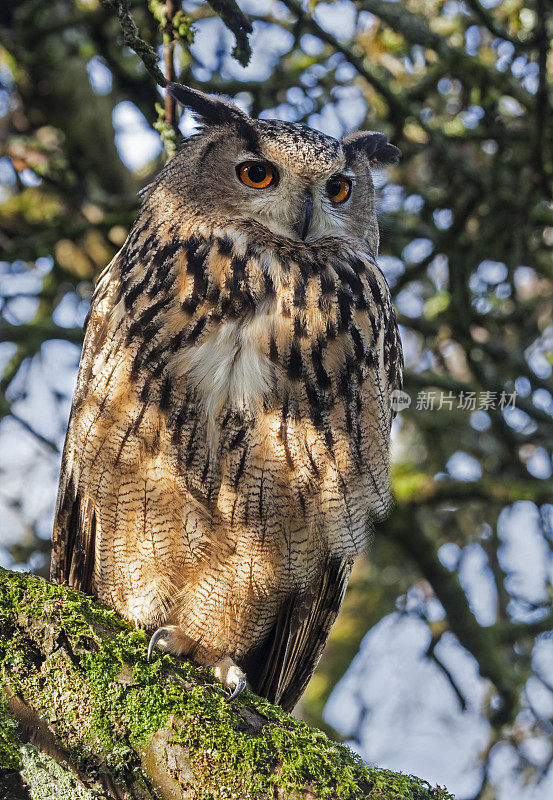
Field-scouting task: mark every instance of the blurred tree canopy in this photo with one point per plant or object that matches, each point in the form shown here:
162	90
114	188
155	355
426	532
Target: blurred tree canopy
464	89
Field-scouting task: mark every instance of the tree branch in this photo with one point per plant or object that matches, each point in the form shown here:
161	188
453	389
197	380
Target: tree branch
237	22
132	39
482	642
76	680
169	61
486	19
32	333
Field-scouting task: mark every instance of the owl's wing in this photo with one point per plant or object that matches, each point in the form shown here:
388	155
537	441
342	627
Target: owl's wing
281	669
74	538
74	533
392	363
387	367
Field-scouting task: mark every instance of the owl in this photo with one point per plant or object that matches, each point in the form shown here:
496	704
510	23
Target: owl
228	446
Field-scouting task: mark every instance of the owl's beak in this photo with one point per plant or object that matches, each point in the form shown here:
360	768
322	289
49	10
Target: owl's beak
307	214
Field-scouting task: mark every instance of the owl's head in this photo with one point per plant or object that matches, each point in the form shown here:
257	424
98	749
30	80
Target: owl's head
293	180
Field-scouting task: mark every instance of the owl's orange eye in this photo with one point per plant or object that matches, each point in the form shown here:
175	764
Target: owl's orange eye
338	189
256	174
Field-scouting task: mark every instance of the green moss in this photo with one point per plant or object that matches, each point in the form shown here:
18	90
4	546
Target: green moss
118	702
9	742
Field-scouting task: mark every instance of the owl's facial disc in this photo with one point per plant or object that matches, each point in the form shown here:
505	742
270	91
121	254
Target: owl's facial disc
295	181
294	203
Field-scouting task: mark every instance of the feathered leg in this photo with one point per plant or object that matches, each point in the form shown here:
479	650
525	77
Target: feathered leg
171	639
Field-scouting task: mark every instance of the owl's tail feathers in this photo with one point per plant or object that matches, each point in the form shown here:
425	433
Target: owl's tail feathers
172	639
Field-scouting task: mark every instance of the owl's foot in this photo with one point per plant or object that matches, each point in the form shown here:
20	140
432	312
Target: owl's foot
171	639
230	676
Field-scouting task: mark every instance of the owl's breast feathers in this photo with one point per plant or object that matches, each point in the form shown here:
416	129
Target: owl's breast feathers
232	414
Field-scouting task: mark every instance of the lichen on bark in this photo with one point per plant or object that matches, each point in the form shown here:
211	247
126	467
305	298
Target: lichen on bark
76	684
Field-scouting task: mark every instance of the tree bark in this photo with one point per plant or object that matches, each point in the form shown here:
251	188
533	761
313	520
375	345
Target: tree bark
76	684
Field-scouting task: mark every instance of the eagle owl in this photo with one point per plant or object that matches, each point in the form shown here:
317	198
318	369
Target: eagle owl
229	438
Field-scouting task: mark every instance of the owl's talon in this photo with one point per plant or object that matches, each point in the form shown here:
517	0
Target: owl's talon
237	691
161	633
231	676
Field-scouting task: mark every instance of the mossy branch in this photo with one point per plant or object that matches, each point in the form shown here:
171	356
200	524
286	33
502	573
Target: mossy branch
76	684
237	22
234	19
132	38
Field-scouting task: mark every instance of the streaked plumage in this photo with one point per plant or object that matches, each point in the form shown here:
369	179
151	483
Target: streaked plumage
228	443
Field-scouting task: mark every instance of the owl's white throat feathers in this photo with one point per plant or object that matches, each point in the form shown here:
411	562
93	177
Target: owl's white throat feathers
229	368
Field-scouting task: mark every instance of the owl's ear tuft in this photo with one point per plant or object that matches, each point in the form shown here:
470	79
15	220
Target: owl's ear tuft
374	146
209	109
214	110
